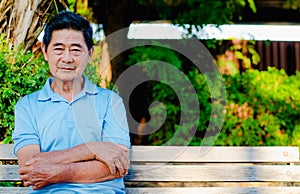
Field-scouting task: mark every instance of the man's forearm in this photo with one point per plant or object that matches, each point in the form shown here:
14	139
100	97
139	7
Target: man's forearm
42	173
115	156
86	172
74	154
90	162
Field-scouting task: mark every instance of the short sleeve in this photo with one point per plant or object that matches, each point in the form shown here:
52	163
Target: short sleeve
115	126
25	132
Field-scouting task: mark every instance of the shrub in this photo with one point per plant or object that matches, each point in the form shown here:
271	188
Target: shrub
171	110
262	107
20	74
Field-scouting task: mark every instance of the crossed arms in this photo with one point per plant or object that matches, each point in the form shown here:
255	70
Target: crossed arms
85	163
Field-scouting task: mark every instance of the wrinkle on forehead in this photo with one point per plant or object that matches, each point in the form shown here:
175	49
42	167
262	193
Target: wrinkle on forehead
68	37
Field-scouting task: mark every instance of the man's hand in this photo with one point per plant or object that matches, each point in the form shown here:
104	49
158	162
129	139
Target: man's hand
115	156
38	172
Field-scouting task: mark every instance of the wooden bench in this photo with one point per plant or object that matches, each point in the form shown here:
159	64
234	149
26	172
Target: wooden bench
208	170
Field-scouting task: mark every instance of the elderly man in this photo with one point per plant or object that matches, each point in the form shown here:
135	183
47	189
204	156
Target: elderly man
71	136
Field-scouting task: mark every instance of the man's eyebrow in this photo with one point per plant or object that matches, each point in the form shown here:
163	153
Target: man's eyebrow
75	44
58	44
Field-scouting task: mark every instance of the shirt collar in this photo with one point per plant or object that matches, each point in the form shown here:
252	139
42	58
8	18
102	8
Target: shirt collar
47	93
89	87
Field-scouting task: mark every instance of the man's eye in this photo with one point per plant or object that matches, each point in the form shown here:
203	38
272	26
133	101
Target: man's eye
76	51
58	50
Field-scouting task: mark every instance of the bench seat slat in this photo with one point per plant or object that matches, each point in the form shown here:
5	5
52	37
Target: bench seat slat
194	173
196	164
14	190
215	154
7	152
9	173
185	190
255	173
215	190
199	154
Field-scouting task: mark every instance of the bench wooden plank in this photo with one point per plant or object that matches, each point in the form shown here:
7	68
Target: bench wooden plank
196	164
234	173
192	173
186	190
9	173
215	154
14	190
7	152
215	190
199	154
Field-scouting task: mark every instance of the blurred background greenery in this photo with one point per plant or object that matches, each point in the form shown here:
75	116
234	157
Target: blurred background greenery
262	99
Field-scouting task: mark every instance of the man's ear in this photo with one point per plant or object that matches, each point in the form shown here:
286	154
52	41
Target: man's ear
43	46
91	51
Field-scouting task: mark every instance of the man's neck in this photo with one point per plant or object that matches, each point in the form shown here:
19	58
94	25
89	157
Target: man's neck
67	89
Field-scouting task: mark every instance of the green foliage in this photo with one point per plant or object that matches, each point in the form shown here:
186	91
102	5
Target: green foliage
170	102
209	12
72	5
20	74
91	72
6	184
11	184
201	12
262	107
80	8
246	53
161	92
292	4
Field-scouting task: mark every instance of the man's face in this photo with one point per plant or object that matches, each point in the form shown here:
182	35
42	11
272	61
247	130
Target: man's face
67	54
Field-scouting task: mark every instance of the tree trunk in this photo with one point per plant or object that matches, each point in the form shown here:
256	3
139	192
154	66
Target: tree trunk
114	16
6	7
23	20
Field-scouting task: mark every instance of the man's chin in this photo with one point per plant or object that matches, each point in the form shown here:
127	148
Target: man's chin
67	77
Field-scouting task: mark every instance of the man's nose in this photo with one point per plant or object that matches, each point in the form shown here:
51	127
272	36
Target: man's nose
67	57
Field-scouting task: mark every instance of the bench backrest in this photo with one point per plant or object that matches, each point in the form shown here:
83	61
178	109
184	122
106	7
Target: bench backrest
152	164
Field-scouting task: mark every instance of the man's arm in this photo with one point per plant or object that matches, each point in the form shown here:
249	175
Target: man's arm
42	173
115	156
41	169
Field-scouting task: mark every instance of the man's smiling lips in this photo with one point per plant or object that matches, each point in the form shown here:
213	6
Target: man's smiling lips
66	68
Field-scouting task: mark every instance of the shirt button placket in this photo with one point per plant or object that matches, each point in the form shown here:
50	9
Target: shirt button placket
69	116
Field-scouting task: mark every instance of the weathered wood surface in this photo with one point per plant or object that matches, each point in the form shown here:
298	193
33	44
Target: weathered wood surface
228	173
7	152
188	190
215	154
199	154
216	190
255	173
197	164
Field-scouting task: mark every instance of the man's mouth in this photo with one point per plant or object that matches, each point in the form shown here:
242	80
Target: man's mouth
66	68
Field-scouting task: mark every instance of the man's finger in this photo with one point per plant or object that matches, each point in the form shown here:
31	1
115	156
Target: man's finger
27	183
112	168
120	167
24	177
125	163
23	170
30	162
124	147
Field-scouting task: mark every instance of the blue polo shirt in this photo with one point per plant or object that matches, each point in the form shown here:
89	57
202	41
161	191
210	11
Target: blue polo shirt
48	120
